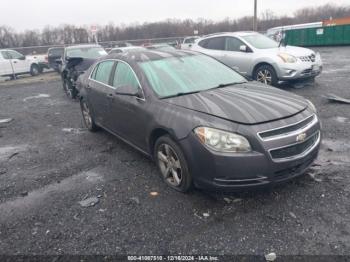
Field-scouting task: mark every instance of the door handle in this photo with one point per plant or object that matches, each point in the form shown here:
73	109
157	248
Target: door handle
15	62
110	96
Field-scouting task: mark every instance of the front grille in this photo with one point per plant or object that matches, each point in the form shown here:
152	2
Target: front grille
310	58
286	129
296	149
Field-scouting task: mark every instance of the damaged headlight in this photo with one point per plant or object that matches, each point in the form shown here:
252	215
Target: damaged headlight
222	141
287	58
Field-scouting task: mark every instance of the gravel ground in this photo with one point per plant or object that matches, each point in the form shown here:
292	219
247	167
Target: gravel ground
49	163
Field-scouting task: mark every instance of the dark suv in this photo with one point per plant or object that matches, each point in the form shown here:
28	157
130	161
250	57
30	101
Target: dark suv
54	54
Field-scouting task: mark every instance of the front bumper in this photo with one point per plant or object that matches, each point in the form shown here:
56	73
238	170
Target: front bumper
299	70
237	171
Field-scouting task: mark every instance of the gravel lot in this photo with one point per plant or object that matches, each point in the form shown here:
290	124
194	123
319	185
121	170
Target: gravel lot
49	163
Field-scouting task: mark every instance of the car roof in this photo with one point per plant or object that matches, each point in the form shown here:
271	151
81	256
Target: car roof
127	48
82	46
239	33
144	55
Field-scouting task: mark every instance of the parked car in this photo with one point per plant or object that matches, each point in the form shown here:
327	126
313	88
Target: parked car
188	42
160	47
199	120
261	58
76	59
41	59
54	54
124	49
13	63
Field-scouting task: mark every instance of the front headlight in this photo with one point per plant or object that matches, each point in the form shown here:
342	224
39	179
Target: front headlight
287	58
222	141
312	106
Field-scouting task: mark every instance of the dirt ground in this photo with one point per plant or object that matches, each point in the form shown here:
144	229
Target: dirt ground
49	163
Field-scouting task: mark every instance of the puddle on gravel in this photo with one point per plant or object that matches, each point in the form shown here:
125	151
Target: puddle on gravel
34	97
74	130
7	151
47	196
341	119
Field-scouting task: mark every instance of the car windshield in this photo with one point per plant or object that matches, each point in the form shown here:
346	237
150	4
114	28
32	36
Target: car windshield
260	41
86	52
189	74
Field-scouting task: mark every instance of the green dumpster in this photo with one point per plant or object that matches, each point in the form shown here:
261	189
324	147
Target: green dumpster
322	36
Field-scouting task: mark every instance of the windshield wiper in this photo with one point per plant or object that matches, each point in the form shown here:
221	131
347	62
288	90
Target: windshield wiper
226	85
181	94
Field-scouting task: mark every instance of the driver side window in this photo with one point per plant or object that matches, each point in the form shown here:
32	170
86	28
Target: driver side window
14	54
233	44
124	76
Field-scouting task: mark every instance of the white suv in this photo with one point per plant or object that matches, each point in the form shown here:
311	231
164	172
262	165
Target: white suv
13	63
261	58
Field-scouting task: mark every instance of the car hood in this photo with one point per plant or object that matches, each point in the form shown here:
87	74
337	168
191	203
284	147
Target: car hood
292	50
248	103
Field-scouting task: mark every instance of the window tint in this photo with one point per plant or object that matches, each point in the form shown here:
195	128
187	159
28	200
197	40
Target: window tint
56	52
124	76
216	43
233	44
103	71
203	43
14	54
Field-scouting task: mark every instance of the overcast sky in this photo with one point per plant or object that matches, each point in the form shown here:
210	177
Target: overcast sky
35	14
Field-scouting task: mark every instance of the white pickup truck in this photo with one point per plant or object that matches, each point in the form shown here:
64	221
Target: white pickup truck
13	63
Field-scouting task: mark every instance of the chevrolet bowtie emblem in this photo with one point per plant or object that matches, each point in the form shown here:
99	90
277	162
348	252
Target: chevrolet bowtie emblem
301	137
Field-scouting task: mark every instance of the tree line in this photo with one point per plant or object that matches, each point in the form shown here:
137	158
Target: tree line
71	34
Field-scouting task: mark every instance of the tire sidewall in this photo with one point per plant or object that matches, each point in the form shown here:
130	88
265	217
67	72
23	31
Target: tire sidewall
93	126
186	183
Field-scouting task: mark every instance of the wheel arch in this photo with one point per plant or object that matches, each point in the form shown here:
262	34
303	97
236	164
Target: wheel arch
155	134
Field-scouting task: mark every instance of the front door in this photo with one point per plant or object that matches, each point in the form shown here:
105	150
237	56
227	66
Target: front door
19	63
5	65
128	116
235	58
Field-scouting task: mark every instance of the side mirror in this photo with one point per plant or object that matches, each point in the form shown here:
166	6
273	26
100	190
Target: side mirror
58	61
243	48
22	58
128	90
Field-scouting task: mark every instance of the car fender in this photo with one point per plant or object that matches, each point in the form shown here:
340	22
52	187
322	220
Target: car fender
264	60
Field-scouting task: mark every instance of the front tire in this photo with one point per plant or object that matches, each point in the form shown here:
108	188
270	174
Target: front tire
172	164
266	74
87	117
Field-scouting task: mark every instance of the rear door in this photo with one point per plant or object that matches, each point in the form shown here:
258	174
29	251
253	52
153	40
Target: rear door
127	113
98	90
5	64
213	46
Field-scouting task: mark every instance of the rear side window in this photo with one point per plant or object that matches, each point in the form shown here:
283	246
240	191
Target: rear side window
103	71
56	52
233	44
124	76
216	43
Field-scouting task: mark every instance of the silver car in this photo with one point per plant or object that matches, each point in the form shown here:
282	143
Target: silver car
261	58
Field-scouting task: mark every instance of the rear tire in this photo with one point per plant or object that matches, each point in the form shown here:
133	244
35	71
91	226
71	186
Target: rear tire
87	116
266	74
172	164
34	70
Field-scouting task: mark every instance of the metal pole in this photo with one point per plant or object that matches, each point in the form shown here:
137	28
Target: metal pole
255	19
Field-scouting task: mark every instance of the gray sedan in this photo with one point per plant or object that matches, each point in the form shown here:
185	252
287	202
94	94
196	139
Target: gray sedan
199	120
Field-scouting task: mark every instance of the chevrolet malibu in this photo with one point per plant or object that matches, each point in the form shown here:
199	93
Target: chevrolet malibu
202	123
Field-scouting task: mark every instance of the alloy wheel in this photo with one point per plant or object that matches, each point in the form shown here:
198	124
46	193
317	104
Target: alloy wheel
170	165
264	76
